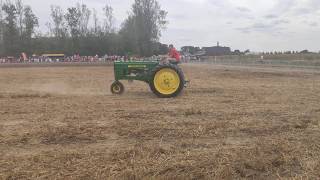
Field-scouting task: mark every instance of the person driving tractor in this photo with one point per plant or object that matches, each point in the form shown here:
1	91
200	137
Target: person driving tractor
174	55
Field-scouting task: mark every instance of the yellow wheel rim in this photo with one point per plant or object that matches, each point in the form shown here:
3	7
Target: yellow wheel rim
167	81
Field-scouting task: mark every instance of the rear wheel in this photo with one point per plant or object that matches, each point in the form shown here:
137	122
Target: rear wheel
117	88
167	81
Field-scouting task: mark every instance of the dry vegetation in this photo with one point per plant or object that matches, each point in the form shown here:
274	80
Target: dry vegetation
62	123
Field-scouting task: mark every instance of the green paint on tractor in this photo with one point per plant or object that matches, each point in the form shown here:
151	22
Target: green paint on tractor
134	70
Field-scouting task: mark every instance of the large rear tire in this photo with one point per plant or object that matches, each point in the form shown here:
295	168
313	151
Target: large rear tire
167	81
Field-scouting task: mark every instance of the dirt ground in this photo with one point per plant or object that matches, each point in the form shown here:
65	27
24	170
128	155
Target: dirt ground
230	123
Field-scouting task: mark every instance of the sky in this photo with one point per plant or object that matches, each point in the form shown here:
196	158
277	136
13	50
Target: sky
258	25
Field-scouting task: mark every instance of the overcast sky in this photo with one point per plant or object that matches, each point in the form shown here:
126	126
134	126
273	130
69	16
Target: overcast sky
259	25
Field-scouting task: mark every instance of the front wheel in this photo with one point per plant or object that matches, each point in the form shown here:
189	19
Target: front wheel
117	88
167	81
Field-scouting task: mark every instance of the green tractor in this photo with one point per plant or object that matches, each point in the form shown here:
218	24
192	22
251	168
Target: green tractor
166	80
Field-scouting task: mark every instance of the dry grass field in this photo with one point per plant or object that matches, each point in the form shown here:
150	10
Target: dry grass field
230	123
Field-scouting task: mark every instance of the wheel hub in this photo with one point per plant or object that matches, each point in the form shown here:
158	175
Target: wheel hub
116	88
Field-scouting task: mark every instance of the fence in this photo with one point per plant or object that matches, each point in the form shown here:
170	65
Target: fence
296	60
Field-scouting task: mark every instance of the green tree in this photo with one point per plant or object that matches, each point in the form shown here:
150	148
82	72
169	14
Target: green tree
73	17
70	32
109	19
1	30
11	35
129	40
96	26
20	15
85	14
142	29
59	29
30	22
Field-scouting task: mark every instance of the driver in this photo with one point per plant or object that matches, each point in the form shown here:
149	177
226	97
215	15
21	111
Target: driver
174	55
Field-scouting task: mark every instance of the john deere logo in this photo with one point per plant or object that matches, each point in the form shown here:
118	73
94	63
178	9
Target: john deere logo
137	66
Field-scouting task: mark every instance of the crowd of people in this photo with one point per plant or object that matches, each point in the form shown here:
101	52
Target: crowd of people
62	58
78	59
173	55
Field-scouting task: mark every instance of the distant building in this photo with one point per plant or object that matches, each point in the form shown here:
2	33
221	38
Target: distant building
190	49
217	50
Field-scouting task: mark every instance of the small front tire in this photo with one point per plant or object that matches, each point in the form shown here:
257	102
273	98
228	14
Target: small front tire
117	88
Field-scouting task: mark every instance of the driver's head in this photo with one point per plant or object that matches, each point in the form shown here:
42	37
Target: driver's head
171	46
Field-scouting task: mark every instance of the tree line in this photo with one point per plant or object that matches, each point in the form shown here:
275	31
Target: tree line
79	30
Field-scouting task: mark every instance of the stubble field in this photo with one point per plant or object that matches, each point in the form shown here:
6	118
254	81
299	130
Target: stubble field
63	123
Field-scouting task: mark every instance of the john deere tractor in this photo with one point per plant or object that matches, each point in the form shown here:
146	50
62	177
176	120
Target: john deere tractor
166	80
